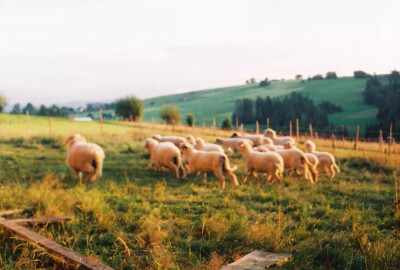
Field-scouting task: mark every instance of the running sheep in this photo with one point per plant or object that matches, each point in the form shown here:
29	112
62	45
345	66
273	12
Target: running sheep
326	160
84	157
270	133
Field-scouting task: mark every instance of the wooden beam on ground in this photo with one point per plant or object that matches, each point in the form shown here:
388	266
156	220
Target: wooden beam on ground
41	220
51	246
10	212
258	260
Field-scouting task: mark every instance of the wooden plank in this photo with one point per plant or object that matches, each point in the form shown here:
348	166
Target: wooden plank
258	260
51	246
41	220
10	212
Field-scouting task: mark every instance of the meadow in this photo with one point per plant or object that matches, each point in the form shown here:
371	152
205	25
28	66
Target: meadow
134	219
219	103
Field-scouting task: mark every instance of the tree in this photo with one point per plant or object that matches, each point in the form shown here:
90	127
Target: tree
129	108
264	83
331	75
190	120
170	113
16	109
318	77
227	124
359	74
30	108
3	102
299	77
42	110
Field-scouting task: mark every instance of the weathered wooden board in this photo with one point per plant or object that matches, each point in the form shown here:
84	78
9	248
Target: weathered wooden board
51	246
10	212
41	220
258	260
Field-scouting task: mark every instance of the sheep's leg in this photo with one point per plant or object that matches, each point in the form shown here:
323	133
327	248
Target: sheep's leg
254	174
90	177
203	178
174	168
150	163
221	178
80	177
331	172
289	172
183	172
233	178
230	151
245	176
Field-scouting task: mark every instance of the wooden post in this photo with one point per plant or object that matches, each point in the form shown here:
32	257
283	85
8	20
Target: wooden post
152	121
49	126
237	123
257	128
101	120
173	125
311	133
380	140
241	127
290	128
214	123
316	135
356	141
27	116
297	130
390	138
342	132
130	118
268	122
333	142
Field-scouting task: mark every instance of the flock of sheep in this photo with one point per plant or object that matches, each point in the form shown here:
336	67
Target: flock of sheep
267	154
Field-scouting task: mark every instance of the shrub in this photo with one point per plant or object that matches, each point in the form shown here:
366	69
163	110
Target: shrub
190	120
226	124
331	75
129	107
359	74
170	113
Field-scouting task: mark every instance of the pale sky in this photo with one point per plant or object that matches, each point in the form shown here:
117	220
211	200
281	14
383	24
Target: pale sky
54	51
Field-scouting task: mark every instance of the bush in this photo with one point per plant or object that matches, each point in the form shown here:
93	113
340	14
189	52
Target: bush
318	77
3	102
331	75
359	74
170	113
226	124
129	107
190	120
264	83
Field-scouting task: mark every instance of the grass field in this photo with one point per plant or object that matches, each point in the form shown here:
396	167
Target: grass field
219	103
134	219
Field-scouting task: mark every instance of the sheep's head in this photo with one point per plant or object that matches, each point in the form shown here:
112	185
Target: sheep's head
150	143
156	137
288	145
190	139
185	147
270	133
75	138
309	146
235	135
243	146
267	140
199	142
218	141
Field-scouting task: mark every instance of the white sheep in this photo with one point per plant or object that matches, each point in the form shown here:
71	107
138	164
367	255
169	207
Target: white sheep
177	140
294	159
269	162
205	162
190	139
270	133
256	139
165	154
326	160
313	160
208	147
84	157
231	144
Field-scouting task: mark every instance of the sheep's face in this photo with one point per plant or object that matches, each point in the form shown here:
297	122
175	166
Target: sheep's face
185	148
190	139
242	147
150	143
156	137
218	141
234	135
288	145
267	140
270	133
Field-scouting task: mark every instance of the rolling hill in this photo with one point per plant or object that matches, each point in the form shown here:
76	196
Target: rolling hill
219	103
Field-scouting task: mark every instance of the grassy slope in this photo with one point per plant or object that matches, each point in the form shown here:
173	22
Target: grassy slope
133	219
219	102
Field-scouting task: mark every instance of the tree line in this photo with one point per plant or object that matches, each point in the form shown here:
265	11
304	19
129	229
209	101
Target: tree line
383	92
281	111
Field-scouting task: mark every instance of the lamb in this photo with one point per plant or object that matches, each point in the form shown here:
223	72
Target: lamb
231	143
208	147
311	158
326	160
270	133
85	158
165	154
177	140
262	148
270	162
294	159
204	162
256	139
190	139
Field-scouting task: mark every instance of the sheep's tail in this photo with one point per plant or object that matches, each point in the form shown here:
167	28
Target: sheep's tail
336	167
97	164
226	166
177	160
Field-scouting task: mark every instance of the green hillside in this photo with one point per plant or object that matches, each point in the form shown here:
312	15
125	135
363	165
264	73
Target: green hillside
219	103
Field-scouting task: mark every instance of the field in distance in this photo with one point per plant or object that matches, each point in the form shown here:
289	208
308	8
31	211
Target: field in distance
134	219
219	103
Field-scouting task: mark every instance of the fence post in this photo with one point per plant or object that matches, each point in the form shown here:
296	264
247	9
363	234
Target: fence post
380	140
357	134
237	123
311	133
342	132
297	130
390	138
316	135
290	128
333	142
101	120
241	127
27	116
49	126
257	128
268	122
173	125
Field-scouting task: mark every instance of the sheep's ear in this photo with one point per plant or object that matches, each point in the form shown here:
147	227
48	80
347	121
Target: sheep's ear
69	139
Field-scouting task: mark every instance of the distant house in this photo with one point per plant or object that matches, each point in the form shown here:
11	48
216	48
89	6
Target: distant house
80	118
299	77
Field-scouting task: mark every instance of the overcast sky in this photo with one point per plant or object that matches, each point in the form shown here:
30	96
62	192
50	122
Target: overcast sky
79	50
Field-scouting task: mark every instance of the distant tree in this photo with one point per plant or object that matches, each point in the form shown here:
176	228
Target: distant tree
16	109
299	77
190	120
129	107
30	108
42	110
394	78
331	75
359	74
227	124
252	81
264	83
317	77
3	102
170	113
